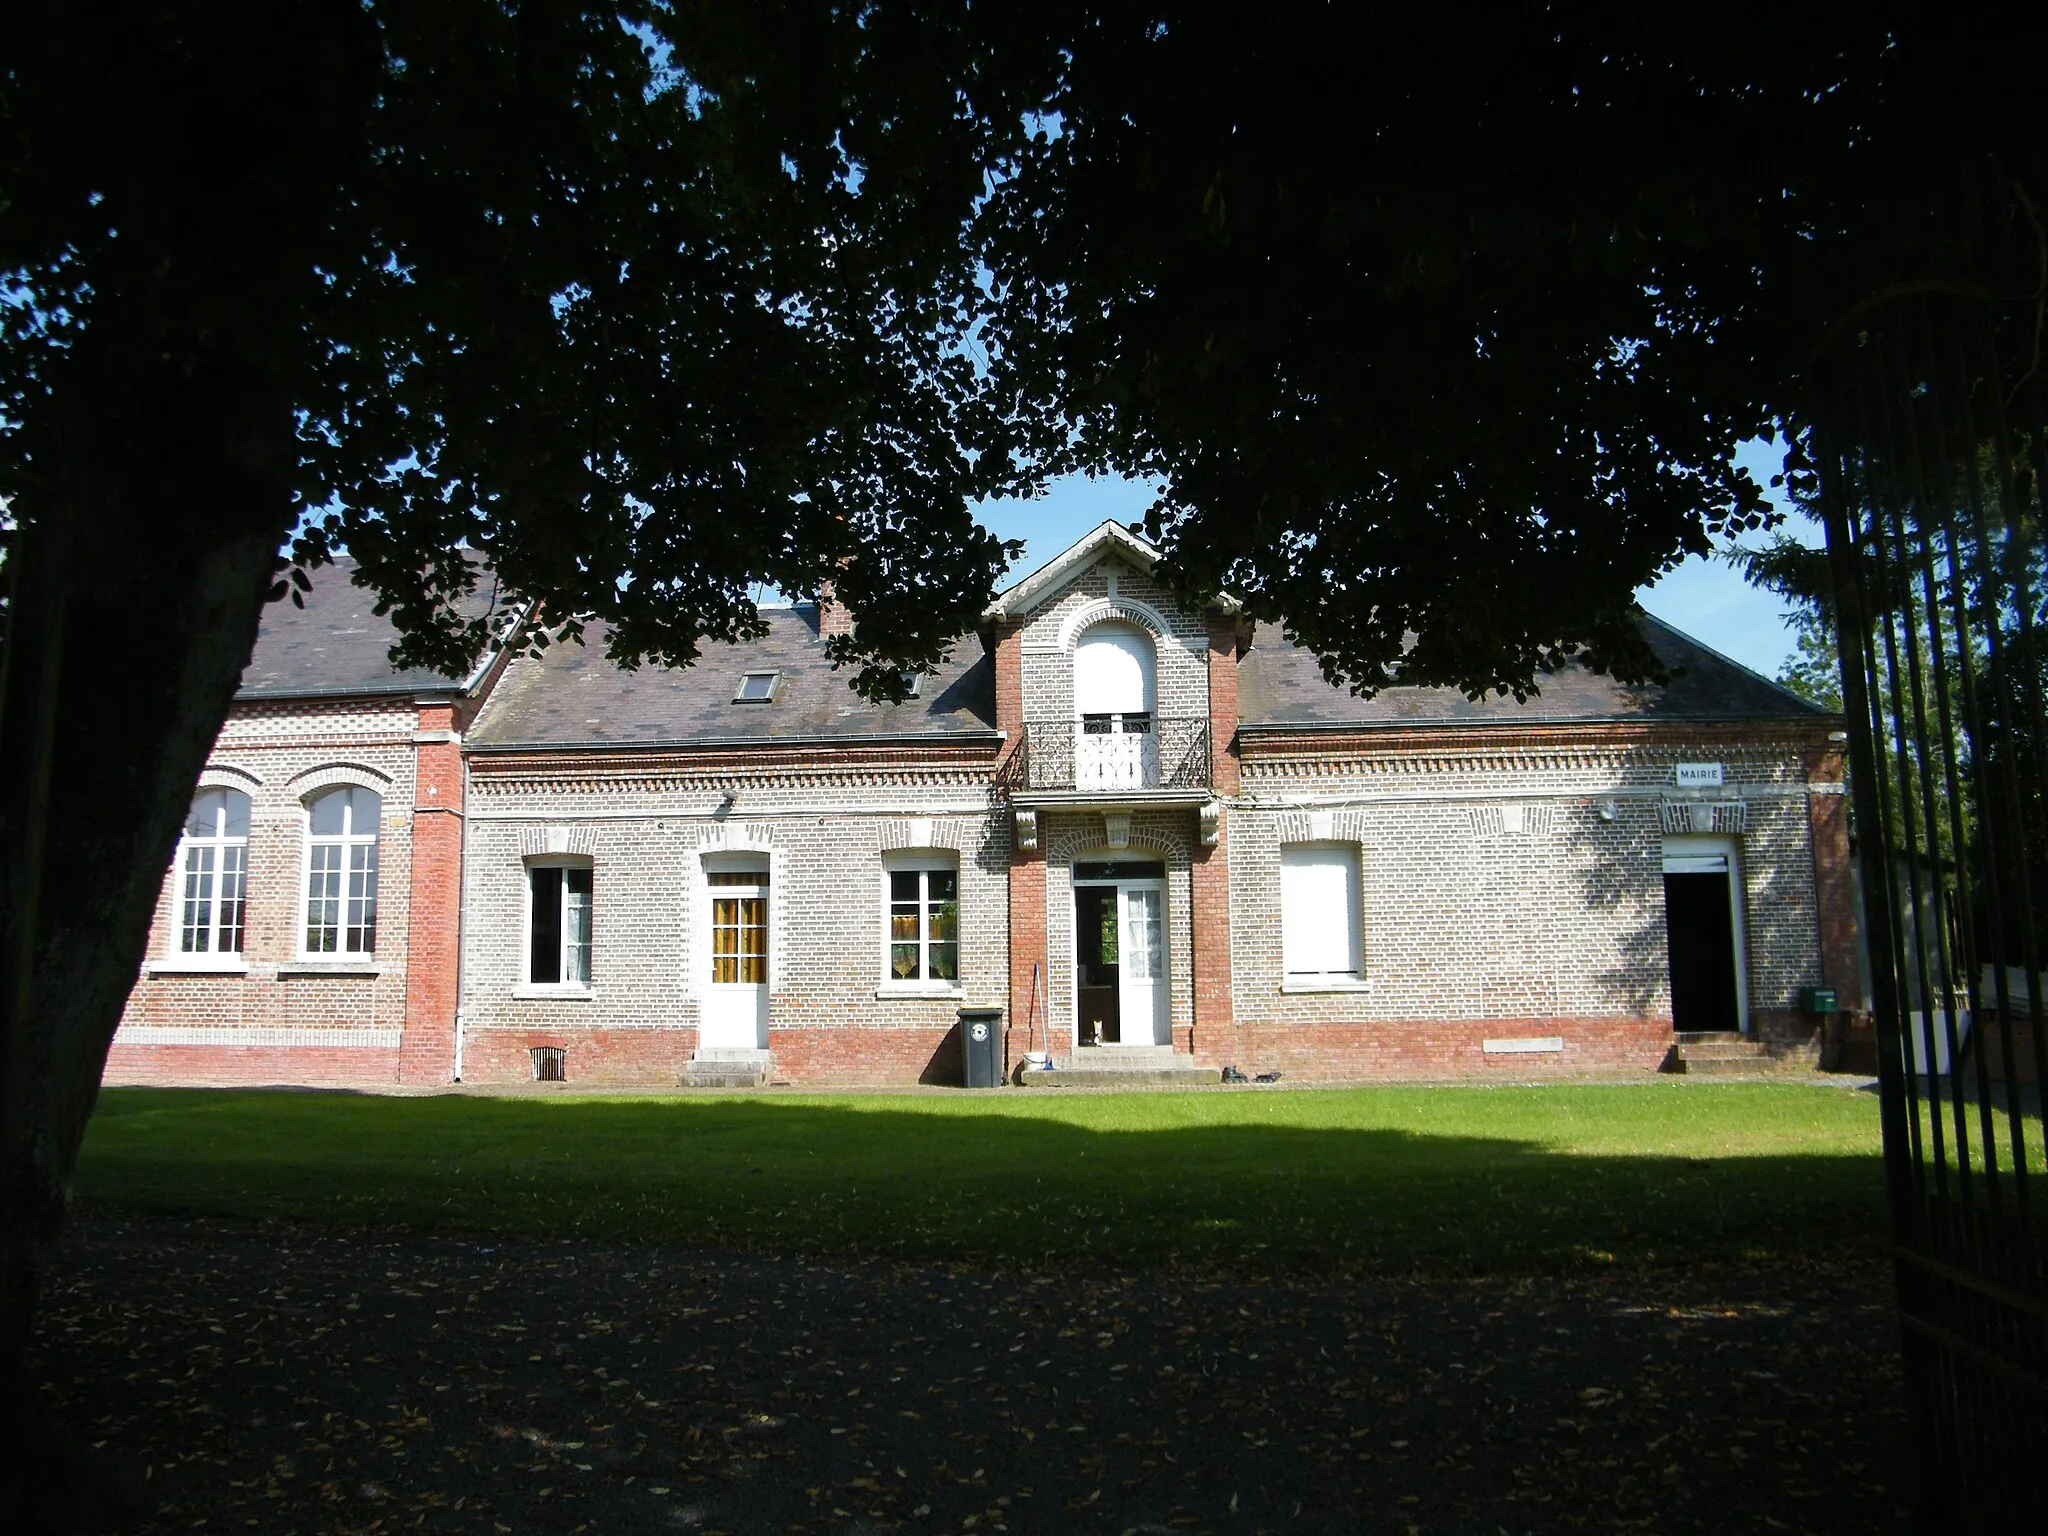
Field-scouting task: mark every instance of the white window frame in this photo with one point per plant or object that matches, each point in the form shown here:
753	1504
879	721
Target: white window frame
219	843
1355	977
347	841
920	863
524	983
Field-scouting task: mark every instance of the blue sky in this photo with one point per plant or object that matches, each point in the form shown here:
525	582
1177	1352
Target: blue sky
1705	598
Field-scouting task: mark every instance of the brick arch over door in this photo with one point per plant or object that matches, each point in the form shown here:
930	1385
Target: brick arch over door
1169	835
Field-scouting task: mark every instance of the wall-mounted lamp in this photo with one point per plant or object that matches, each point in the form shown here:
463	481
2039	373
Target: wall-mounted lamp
1608	810
1838	735
727	799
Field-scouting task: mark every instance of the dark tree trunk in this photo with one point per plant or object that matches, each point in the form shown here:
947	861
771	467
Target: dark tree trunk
136	603
159	466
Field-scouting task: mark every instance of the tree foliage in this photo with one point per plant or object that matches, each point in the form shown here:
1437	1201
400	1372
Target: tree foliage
1441	333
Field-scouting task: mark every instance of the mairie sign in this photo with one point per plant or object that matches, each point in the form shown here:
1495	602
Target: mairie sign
1699	775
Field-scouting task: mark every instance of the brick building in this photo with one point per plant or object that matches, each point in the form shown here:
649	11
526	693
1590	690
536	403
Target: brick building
308	929
1157	840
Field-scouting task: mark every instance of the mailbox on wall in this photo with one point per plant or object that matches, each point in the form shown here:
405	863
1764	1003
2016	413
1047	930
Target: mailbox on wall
1819	1000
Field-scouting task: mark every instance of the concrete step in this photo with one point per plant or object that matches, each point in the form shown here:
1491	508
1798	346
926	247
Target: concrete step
726	1068
1726	1055
1121	1066
1189	1076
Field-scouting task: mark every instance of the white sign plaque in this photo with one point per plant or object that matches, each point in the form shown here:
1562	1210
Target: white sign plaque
1699	775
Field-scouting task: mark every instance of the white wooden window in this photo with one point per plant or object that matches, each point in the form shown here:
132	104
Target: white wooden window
213	866
924	924
1321	922
341	871
558	918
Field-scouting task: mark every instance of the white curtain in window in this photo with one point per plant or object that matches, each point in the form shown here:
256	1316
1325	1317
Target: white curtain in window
1319	909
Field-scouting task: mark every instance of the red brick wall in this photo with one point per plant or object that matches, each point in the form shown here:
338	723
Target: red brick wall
1450	1048
427	1054
899	1056
248	1066
655	1058
651	1058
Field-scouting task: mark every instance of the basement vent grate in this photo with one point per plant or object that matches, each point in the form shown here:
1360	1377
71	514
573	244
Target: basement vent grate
549	1064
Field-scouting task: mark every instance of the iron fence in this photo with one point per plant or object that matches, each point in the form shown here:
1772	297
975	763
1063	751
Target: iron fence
1930	449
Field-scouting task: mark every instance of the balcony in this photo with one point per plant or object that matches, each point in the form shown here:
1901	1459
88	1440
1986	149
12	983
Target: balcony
1113	757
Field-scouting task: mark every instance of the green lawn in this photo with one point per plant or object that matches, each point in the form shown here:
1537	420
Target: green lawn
1456	1178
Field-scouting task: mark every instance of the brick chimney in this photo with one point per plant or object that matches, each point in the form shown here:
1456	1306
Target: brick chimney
833	615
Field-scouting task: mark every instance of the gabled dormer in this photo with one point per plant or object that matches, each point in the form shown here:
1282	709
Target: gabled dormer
1104	683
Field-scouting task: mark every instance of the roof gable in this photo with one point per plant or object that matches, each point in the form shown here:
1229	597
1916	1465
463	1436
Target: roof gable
337	645
1107	539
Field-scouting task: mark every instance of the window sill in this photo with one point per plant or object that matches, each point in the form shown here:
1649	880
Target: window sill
320	967
555	990
1310	984
198	965
940	990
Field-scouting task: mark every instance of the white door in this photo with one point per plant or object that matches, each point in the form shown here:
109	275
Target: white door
736	995
1142	985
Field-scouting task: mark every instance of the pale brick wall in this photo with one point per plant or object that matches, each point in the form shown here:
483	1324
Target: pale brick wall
1467	919
1051	630
209	1027
646	828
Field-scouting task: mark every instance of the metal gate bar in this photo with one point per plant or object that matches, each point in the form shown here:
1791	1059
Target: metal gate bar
1930	448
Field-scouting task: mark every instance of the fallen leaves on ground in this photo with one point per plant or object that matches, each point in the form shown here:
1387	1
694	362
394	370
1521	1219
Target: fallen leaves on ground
311	1381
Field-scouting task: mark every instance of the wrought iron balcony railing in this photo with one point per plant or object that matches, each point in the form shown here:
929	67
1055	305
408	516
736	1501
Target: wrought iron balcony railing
1115	754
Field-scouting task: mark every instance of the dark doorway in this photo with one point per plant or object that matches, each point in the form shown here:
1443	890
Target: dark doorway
1095	963
1699	924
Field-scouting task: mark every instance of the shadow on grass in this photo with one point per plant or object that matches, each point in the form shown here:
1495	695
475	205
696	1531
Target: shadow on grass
1101	1182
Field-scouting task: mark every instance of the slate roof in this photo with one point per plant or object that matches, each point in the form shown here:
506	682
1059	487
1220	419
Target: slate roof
572	696
337	645
1281	686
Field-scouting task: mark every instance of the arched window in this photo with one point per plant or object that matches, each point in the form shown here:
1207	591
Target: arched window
213	863
341	871
1114	696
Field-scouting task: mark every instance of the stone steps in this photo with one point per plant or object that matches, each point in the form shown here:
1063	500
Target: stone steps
1122	1066
1733	1055
718	1068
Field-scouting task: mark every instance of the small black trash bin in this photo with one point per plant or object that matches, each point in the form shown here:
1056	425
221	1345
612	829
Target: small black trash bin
981	1045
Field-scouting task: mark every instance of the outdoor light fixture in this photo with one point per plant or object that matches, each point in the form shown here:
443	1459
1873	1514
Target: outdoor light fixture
1607	810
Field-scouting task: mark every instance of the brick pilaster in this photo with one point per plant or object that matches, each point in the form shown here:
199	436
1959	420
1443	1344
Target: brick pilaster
427	1048
1027	948
1834	888
1010	678
1215	1040
1223	639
